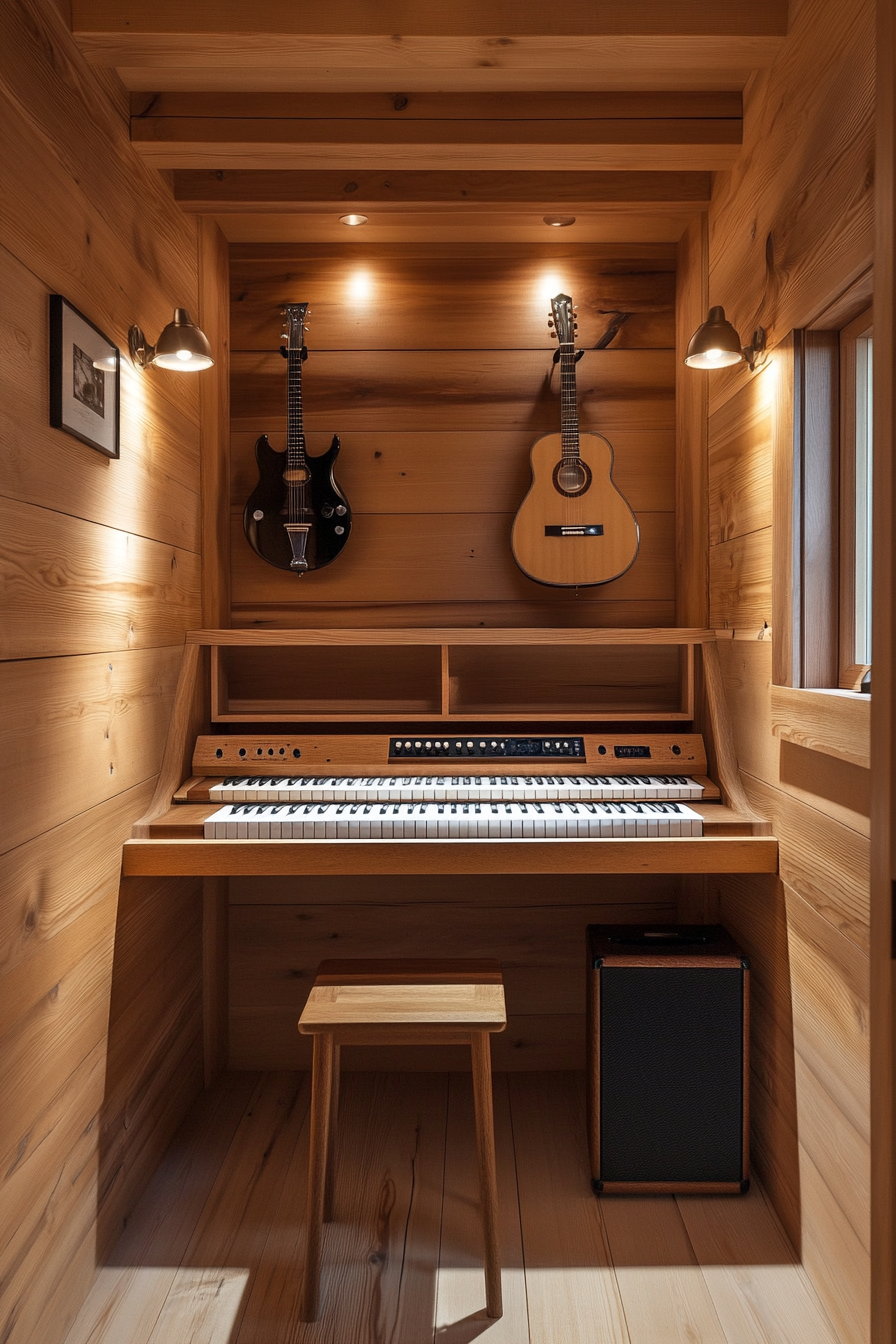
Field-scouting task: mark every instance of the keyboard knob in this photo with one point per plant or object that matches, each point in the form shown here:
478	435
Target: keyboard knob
469	746
417	746
458	746
407	746
492	744
398	746
482	746
429	746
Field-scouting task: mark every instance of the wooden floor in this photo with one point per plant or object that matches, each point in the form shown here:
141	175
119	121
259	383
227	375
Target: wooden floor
214	1251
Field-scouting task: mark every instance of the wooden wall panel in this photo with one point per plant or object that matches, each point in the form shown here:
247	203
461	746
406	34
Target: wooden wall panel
390	472
414	296
790	228
70	586
434	557
101	1012
434	365
281	928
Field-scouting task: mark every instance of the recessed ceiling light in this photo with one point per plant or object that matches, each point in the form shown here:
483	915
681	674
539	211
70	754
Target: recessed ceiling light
352	220
559	221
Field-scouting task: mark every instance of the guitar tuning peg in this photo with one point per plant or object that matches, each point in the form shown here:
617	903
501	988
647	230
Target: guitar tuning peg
550	323
553	335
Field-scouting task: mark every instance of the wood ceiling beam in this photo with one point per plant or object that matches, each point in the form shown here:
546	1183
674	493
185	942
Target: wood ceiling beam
396	45
451	132
226	192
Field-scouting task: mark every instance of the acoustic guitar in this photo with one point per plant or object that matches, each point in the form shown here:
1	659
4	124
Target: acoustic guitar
574	528
296	518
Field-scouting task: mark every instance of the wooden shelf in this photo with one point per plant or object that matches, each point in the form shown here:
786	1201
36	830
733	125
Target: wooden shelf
460	675
234	858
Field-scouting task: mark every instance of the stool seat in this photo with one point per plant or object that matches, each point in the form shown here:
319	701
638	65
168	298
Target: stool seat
399	1002
359	994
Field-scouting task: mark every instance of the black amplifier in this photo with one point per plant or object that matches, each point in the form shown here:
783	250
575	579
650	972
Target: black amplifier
668	1066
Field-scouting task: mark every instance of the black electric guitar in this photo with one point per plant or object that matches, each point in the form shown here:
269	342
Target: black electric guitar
297	517
574	528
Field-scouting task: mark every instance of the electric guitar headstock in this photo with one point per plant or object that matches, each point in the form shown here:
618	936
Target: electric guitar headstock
563	323
295	320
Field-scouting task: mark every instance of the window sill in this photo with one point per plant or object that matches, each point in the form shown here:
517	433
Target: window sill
837	723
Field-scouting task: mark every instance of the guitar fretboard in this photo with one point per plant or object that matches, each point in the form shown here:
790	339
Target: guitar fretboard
569	415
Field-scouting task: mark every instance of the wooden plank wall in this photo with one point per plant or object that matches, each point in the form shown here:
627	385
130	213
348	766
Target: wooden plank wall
433	364
789	229
100	994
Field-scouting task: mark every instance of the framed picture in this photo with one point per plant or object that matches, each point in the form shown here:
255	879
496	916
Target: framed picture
85	378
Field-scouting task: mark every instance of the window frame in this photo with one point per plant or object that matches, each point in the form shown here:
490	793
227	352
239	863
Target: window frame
860	328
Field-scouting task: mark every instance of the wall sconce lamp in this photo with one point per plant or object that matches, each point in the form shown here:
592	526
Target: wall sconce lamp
181	346
715	344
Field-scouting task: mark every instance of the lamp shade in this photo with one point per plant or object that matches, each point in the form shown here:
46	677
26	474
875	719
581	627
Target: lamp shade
714	344
183	346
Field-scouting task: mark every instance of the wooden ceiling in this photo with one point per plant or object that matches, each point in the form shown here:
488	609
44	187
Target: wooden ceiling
468	120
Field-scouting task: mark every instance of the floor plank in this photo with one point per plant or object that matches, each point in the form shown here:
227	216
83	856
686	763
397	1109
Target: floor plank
460	1302
381	1250
571	1288
213	1253
130	1291
657	1272
761	1294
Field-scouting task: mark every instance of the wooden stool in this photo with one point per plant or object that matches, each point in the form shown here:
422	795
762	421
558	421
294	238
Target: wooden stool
400	1003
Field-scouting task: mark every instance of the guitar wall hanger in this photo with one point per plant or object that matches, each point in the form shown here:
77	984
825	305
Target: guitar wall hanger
304	352
579	354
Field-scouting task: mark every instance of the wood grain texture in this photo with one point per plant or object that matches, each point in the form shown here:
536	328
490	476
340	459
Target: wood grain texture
837	723
583	144
792	224
441	557
457	390
407	298
883	1076
204	191
740	464
56	877
214	408
73	587
152	484
100	724
741	582
790	232
691	400
404	472
102	581
655	1269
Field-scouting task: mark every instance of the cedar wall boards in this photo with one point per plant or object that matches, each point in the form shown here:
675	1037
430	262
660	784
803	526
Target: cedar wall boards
100	992
790	228
433	362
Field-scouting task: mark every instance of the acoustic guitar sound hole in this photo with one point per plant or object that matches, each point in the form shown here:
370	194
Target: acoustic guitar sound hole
572	476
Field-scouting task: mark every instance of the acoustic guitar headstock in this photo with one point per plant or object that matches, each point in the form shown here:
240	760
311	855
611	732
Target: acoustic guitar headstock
563	321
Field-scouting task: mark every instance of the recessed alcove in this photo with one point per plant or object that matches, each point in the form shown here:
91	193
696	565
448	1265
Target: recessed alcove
154	1095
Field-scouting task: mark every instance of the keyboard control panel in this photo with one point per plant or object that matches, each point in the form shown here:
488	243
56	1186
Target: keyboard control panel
486	747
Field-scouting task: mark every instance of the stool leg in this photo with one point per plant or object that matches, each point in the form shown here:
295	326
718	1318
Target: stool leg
488	1177
329	1189
321	1098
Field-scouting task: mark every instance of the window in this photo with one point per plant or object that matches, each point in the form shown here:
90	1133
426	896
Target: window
855	500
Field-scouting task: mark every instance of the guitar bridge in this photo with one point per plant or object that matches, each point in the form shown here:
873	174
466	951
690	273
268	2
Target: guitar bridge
574	529
298	540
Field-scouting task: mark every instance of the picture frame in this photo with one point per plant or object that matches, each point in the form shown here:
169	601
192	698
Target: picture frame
85	379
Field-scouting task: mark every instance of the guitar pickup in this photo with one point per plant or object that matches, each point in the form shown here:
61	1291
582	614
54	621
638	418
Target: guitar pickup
574	529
